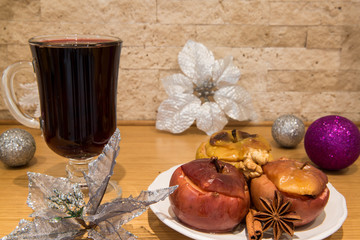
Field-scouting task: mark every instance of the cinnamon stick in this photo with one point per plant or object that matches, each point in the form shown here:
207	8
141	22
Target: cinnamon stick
253	226
258	228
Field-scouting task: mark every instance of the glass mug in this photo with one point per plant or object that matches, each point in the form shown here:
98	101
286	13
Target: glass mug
77	81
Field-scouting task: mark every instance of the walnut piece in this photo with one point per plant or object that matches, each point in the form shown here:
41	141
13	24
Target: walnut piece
247	152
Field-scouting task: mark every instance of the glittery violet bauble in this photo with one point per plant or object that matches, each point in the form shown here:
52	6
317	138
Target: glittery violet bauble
17	147
332	142
288	130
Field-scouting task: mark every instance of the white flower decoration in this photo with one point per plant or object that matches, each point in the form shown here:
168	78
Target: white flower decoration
206	92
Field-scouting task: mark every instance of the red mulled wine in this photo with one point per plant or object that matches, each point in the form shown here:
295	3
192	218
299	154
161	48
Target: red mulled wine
77	80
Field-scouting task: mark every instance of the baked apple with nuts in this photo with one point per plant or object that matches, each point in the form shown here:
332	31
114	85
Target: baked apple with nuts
247	152
300	183
212	196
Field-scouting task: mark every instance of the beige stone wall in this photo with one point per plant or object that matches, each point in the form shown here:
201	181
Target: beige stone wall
300	57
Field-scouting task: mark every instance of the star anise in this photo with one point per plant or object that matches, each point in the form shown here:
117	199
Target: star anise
277	216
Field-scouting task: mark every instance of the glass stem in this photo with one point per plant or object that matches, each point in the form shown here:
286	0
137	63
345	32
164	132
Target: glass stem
75	170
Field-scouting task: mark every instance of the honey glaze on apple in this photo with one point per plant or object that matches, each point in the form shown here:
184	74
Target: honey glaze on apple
212	196
304	179
301	184
247	152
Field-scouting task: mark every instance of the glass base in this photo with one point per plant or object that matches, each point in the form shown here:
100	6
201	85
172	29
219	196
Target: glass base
75	170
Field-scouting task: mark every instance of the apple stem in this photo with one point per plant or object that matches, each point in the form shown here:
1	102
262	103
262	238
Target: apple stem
304	165
233	133
215	161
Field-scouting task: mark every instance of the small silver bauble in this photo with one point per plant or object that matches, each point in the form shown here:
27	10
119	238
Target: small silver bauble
288	131
17	147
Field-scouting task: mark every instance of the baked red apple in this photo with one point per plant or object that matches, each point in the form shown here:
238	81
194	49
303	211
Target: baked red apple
212	196
302	184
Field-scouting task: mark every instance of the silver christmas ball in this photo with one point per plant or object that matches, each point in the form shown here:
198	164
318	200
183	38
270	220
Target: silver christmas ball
288	131
17	147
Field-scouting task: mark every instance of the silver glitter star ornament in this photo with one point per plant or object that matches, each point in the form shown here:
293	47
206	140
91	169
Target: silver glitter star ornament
17	147
288	131
60	210
206	92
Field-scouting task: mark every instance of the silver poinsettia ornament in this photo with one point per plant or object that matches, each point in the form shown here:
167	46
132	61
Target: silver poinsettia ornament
60	210
206	92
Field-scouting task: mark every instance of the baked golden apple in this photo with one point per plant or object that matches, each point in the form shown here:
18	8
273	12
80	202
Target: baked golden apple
300	183
247	152
212	196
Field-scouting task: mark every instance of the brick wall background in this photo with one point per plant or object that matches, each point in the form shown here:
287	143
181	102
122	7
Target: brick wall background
298	57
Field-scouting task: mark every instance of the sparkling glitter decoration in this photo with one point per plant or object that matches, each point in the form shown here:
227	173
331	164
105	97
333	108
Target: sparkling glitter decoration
206	92
332	142
60	211
17	147
288	131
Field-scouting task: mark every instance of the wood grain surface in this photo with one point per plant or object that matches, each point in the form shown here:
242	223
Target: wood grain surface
145	152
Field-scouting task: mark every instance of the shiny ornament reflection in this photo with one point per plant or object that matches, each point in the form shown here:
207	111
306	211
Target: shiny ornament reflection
332	142
288	131
17	147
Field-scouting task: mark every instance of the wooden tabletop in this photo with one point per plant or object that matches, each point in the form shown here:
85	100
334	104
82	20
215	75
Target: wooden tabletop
145	152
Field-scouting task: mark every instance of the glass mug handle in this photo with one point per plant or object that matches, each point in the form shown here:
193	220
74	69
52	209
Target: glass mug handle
7	89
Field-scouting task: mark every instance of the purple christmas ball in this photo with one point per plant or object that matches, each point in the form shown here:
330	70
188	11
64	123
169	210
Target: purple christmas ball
332	142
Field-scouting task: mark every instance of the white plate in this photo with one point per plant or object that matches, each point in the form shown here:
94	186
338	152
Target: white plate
329	221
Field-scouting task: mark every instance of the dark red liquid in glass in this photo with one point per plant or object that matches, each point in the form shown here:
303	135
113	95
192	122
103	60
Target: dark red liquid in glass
77	89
